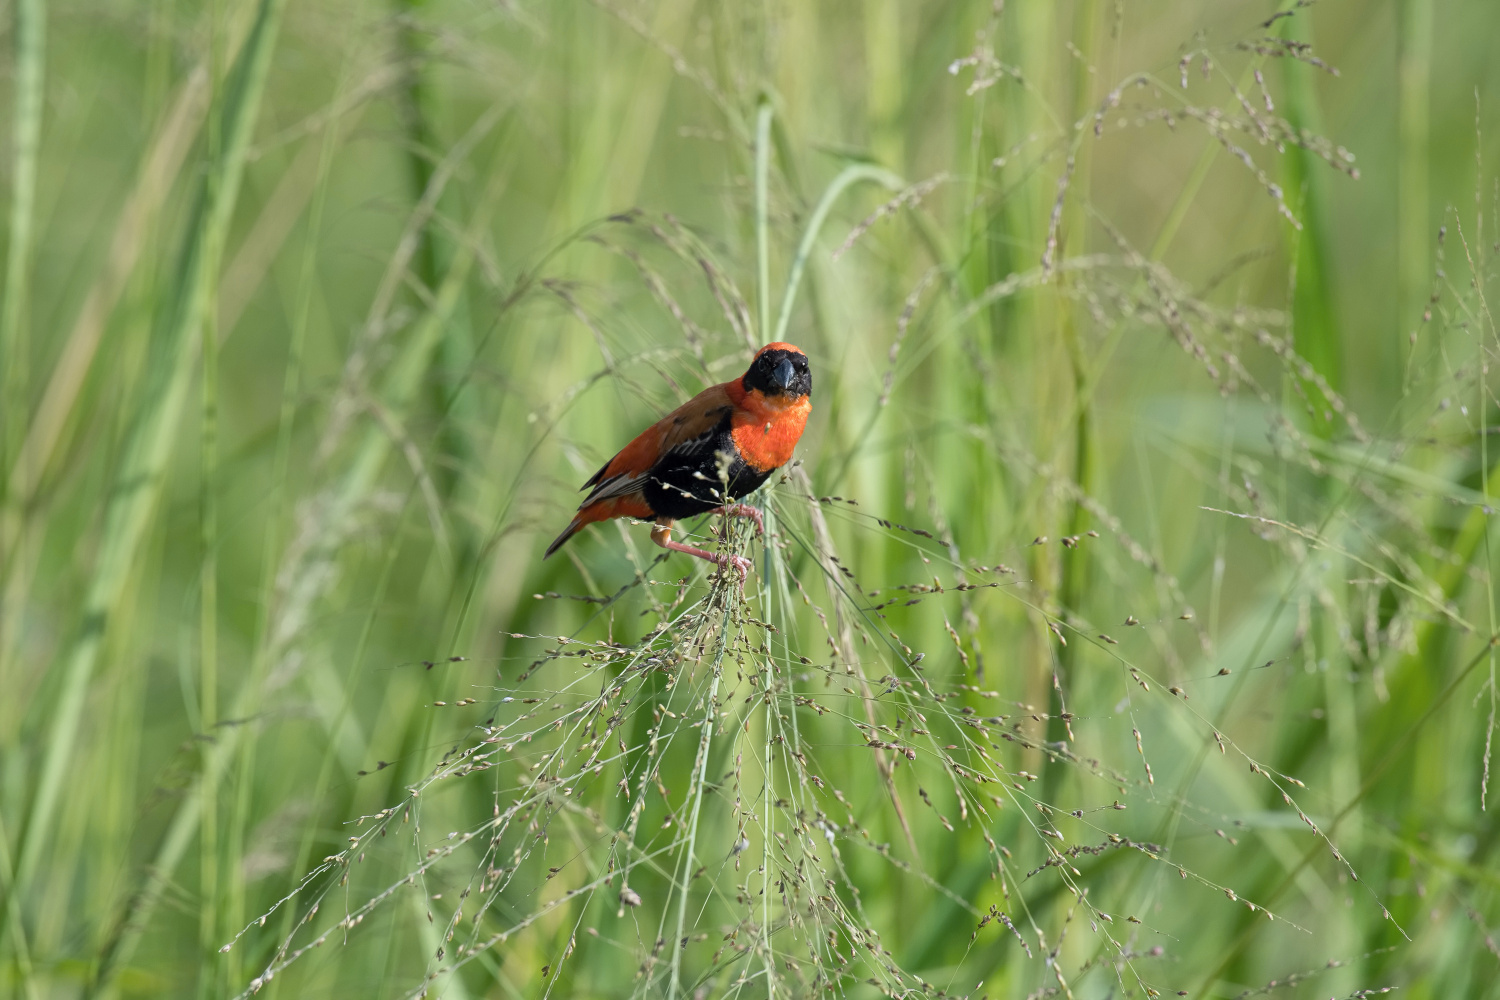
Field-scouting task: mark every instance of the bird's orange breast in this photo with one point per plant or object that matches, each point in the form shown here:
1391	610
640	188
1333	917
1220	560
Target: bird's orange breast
766	430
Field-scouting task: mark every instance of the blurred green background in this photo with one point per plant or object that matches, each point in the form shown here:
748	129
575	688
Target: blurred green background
1173	320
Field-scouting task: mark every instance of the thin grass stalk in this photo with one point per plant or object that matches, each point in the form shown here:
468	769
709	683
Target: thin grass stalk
18	549
30	26
451	396
208	569
208	651
19	942
208	600
826	558
1395	750
273	631
326	765
762	232
1451	578
431	935
1189	193
149	443
1074	567
407	375
401	389
1482	347
158	171
1414	108
148	447
1176	215
848	176
134	232
1316	335
882	24
1030	38
278	529
766	861
1314	320
684	878
26	130
121	942
777	596
452	984
963	378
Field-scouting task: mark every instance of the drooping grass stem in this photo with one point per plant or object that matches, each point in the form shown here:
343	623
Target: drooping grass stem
845	178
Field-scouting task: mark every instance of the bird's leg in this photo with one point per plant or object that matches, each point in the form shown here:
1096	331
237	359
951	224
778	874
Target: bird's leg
741	510
661	534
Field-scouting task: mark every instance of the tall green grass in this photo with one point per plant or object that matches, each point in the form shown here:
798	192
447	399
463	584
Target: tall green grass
1125	628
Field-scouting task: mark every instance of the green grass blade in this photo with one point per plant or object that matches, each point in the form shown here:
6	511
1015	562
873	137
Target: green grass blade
26	130
30	27
151	438
1314	316
400	393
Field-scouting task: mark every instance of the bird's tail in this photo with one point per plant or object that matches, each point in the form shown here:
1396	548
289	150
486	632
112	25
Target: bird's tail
630	505
573	528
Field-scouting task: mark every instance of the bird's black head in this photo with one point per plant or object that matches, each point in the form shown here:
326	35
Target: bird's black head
779	370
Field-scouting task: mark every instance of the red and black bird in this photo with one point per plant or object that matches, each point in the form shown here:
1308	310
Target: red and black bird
712	450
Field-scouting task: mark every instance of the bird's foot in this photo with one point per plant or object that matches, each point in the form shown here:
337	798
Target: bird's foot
742	510
661	534
740	563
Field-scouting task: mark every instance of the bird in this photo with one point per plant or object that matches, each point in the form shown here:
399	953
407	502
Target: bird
706	455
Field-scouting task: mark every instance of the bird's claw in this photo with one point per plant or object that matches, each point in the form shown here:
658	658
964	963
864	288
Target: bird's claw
661	534
740	564
743	510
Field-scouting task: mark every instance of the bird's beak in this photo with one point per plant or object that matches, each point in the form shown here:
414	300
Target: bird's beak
783	375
